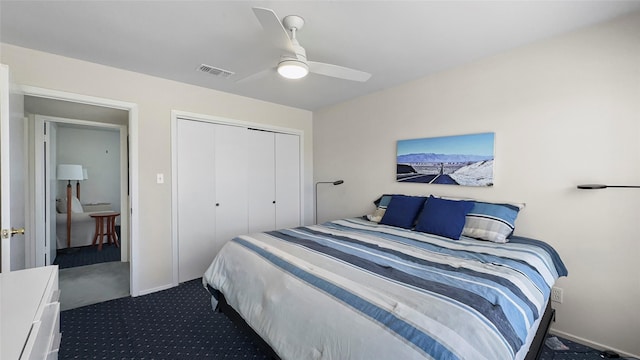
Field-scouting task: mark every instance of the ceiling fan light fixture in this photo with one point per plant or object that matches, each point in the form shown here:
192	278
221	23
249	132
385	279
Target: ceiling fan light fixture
293	69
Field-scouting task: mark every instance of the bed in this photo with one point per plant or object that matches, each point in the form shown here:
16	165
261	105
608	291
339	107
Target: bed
358	289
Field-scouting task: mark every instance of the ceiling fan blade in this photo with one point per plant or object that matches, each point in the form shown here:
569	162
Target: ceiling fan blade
336	71
256	76
274	29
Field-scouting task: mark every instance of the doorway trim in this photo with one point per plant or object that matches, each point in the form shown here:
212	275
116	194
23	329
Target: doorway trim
132	126
123	196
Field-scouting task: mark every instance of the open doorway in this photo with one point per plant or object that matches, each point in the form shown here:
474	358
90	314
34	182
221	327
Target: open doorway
95	138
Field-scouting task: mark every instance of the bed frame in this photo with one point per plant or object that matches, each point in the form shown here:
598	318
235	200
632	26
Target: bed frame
534	351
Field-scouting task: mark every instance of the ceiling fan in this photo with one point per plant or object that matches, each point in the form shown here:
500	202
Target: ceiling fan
293	63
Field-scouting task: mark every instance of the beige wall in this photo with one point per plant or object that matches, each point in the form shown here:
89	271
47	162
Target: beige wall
565	111
98	151
155	99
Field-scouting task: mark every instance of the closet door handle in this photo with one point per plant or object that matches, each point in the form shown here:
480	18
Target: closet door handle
274	202
217	204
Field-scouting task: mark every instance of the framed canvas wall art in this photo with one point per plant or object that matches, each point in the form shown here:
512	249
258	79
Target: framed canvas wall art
465	160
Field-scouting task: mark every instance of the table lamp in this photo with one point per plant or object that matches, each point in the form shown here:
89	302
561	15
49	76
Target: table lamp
69	172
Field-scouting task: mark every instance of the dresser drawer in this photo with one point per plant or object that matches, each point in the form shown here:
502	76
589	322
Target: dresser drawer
30	311
55	296
44	332
57	338
53	355
55	347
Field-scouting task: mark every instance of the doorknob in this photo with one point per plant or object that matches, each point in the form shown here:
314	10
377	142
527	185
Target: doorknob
9	233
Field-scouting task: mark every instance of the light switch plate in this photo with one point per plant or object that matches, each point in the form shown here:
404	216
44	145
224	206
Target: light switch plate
160	178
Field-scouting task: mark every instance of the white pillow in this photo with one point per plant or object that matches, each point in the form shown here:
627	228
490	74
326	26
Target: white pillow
381	208
76	207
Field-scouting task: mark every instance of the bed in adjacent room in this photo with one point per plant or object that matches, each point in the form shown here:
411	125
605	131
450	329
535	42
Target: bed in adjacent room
361	289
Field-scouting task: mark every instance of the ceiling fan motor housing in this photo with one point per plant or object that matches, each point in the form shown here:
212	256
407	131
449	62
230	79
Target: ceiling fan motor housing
293	22
294	67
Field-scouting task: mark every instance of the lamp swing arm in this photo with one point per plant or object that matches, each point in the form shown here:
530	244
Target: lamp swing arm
602	186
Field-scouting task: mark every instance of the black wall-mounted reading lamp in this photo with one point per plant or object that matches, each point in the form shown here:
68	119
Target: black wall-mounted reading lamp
337	182
602	186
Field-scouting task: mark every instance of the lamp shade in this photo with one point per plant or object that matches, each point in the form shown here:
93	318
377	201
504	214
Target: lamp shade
69	172
85	174
292	69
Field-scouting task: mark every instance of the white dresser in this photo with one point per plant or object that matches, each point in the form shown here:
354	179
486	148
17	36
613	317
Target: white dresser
30	314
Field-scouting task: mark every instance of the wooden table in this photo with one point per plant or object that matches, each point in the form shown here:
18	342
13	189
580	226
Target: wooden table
105	226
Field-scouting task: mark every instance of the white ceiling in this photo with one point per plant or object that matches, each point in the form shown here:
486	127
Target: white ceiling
396	41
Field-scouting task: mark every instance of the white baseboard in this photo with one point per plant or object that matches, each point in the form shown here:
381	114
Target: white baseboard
590	343
156	289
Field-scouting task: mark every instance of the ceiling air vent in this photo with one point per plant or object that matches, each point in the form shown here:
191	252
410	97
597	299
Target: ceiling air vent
215	71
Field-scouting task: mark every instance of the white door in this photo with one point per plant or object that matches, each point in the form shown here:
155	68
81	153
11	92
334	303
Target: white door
261	186
50	206
12	175
196	198
230	183
42	226
287	179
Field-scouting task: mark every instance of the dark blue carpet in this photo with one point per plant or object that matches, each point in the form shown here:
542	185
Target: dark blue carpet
576	352
179	323
86	255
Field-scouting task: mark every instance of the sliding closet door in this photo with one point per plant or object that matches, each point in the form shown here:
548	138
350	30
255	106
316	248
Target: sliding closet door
261	186
230	183
287	158
196	197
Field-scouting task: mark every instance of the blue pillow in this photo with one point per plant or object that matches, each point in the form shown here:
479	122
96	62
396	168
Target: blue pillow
402	211
492	222
444	217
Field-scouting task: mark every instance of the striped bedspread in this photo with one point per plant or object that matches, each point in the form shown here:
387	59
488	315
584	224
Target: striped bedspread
353	289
